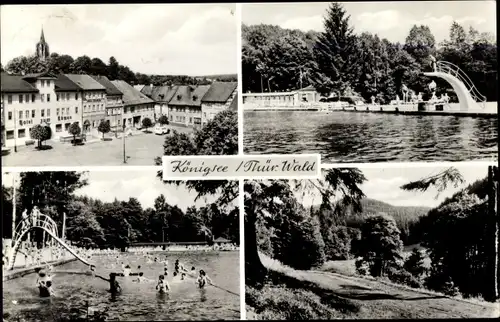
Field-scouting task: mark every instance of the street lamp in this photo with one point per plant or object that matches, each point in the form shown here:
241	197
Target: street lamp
123	139
15	129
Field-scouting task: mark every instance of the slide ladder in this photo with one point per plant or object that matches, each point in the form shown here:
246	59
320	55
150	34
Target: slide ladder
455	71
44	223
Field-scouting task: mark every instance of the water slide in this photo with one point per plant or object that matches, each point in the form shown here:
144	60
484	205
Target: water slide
51	234
468	95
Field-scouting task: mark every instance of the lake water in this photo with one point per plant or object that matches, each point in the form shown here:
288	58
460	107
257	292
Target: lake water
136	302
371	137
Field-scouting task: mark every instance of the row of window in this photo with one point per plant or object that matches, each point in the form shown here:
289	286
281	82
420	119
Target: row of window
93	107
26	113
44	82
185	109
21	133
65	96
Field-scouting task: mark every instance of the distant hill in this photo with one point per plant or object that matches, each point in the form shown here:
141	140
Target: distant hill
222	77
405	216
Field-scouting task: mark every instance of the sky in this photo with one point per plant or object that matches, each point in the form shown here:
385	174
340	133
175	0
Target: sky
174	39
391	20
140	184
384	184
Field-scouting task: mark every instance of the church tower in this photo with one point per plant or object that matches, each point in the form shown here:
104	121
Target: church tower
42	48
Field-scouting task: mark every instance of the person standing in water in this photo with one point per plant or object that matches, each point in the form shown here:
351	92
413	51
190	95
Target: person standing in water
203	279
44	284
162	285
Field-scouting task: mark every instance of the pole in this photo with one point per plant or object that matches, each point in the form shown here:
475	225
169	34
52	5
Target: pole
261	84
13	206
123	135
15	129
64	226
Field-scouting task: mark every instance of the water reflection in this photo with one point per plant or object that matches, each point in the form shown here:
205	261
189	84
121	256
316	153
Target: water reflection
368	137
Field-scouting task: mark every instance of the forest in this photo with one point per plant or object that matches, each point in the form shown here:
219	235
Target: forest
457	237
94	223
341	61
95	66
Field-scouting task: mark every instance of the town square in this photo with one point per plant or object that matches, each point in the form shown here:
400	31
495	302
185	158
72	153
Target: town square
60	111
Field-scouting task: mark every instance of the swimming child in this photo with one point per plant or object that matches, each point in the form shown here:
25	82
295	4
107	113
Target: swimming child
183	276
203	279
126	270
142	279
162	285
178	266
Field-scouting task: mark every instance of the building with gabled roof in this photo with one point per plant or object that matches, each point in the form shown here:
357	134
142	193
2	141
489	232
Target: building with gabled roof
218	98
114	102
162	95
41	98
184	108
93	100
136	105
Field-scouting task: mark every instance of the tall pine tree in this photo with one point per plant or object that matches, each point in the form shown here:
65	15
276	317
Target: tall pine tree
336	52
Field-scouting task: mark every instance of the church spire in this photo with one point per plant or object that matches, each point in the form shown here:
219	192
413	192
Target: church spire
42	37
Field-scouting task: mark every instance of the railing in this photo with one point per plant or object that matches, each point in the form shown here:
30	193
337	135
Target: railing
449	68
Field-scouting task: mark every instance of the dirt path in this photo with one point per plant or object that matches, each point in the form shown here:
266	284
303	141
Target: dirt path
379	300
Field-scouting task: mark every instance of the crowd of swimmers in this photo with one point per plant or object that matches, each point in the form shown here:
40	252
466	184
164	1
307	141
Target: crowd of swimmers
174	248
179	274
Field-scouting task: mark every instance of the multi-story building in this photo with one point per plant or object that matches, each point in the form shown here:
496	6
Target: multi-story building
93	101
68	106
136	105
114	102
218	98
37	99
185	106
162	95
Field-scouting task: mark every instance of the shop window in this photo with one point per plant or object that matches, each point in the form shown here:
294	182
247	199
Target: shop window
21	133
58	128
10	135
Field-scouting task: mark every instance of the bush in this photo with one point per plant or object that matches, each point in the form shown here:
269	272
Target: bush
401	276
440	282
362	267
280	303
163	120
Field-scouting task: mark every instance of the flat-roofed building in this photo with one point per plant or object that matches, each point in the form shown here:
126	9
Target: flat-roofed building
218	98
136	105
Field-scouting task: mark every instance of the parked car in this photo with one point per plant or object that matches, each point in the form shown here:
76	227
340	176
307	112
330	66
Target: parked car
161	129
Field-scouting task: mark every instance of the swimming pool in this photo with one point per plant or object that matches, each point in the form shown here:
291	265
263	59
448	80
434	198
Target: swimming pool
136	302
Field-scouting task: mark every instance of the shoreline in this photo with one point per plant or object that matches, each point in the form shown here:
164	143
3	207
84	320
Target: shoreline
388	110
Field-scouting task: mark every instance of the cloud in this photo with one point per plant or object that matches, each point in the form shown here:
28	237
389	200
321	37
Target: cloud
149	38
305	23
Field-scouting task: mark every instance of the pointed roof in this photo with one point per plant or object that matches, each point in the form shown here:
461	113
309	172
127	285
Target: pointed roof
42	36
163	93
85	82
64	84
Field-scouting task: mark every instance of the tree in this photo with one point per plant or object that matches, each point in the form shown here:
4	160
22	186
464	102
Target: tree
420	43
74	129
380	246
415	263
104	127
98	67
336	52
40	133
113	68
219	136
163	120
338	189
81	65
177	144
82	226
26	65
147	123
